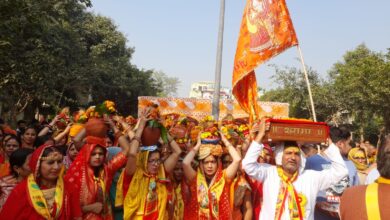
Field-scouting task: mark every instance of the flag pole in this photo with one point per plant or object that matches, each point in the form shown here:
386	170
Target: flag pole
308	84
218	65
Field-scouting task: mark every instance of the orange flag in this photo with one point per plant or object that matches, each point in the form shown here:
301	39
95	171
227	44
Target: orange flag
266	30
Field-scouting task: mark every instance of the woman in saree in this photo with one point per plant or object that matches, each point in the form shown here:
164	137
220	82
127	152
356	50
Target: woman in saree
18	160
71	153
43	194
145	179
240	193
10	144
180	191
210	184
90	175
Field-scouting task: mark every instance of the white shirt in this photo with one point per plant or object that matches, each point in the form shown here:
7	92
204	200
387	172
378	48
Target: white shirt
308	183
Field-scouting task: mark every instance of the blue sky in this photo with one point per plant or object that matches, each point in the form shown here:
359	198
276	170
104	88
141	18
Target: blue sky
180	37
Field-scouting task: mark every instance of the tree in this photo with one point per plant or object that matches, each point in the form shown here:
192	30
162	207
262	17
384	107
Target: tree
55	52
362	83
38	48
168	85
293	90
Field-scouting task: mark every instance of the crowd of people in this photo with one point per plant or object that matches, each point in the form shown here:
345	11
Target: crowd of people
107	169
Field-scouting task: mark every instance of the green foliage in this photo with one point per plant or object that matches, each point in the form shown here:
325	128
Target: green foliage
56	52
362	82
293	90
357	91
168	85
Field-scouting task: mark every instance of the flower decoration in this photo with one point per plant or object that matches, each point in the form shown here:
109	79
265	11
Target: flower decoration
105	108
243	130
110	106
208	118
170	120
80	116
154	127
210	136
130	120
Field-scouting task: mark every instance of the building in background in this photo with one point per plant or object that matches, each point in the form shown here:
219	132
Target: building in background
205	90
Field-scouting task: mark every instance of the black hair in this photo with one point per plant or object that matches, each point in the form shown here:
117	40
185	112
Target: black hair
111	136
10	137
339	133
21	122
290	143
49	150
37	141
383	157
18	158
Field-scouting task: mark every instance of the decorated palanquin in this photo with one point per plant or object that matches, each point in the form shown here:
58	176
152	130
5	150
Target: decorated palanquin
301	130
200	108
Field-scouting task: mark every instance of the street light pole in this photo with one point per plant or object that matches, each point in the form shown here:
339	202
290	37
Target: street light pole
218	65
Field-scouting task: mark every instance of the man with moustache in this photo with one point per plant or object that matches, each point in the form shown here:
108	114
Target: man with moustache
289	190
371	201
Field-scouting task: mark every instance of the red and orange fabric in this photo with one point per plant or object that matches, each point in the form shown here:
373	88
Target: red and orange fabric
209	202
4	165
27	200
238	189
266	30
85	187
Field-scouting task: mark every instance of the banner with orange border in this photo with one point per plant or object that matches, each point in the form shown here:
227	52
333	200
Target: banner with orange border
200	108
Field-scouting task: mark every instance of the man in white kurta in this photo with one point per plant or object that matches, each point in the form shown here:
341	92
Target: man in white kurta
308	182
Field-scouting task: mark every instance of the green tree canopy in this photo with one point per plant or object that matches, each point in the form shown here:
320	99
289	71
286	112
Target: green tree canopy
362	83
357	89
56	52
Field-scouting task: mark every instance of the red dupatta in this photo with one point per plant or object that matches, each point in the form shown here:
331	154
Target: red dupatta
26	201
87	189
218	208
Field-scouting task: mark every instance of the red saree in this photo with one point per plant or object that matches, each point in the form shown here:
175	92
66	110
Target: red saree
209	202
85	188
19	207
21	204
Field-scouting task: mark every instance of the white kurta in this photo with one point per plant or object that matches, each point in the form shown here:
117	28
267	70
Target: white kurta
308	183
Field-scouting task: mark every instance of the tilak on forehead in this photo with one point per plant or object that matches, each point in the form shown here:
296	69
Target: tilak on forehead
292	148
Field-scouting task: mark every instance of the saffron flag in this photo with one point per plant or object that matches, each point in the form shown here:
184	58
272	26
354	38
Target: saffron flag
266	30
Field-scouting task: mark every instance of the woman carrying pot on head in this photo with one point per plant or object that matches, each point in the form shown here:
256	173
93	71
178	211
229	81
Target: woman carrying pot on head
240	193
43	194
18	160
210	184
90	175
145	178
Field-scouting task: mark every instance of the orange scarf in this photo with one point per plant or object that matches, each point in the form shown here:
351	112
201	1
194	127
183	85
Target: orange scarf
209	196
287	192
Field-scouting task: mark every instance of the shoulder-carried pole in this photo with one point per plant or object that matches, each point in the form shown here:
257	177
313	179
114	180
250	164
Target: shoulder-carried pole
307	83
217	82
